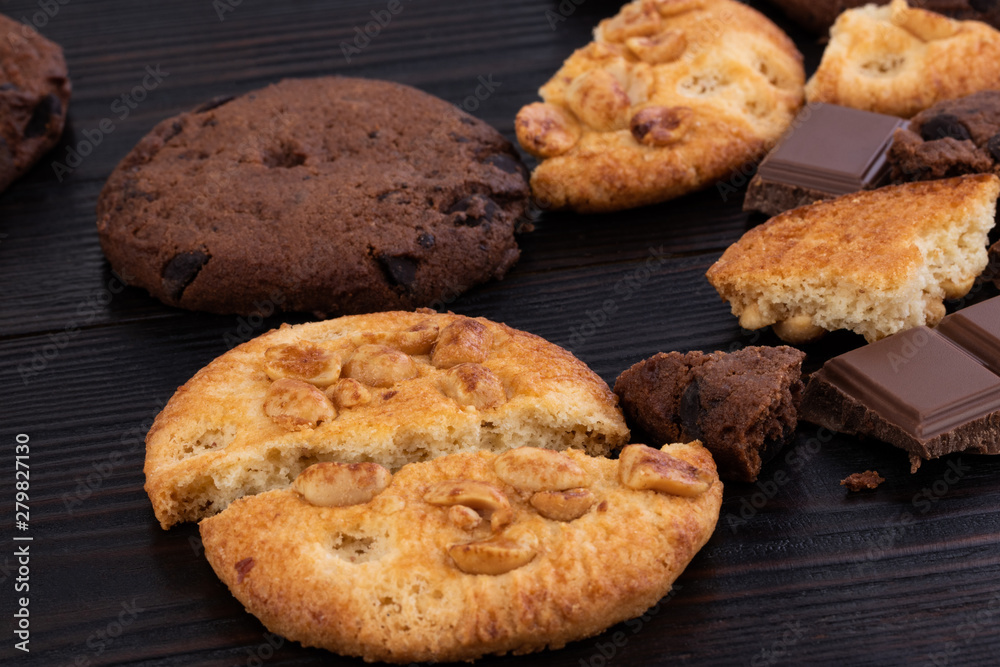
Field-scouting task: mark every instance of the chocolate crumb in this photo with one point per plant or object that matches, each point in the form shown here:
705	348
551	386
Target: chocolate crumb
243	568
860	481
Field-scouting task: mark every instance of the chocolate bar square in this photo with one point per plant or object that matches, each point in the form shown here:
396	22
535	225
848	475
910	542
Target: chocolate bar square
830	151
928	391
977	330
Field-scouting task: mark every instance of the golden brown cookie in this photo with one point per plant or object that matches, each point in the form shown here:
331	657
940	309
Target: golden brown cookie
819	15
469	554
874	262
899	60
670	96
389	388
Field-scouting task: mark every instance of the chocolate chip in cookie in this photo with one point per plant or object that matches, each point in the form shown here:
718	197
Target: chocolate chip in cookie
181	271
952	138
944	125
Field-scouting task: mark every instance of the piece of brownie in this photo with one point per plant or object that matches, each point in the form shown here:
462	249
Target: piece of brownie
861	481
930	392
951	138
743	405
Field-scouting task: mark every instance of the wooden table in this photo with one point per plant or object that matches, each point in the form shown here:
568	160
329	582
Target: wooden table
798	571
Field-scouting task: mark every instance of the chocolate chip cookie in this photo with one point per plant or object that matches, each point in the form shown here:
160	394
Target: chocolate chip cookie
34	94
951	138
330	195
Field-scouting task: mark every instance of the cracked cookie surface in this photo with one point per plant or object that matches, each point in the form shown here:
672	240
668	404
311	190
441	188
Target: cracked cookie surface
387	388
329	195
671	96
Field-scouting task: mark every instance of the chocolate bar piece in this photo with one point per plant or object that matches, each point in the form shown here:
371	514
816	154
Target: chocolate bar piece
862	481
831	151
928	391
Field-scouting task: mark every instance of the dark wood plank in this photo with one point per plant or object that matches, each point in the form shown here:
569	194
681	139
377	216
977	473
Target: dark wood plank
798	571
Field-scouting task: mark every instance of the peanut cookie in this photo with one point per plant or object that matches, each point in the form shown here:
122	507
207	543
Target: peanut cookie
899	60
671	95
467	555
819	15
874	262
34	95
389	388
330	195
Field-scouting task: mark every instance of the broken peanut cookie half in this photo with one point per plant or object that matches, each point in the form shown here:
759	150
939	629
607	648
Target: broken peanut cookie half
432	563
386	388
671	96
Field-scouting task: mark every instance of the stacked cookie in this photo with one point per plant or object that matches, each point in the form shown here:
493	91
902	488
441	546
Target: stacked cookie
390	486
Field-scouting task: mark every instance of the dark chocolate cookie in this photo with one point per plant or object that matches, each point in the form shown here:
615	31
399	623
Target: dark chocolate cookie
34	94
742	405
818	15
951	138
330	195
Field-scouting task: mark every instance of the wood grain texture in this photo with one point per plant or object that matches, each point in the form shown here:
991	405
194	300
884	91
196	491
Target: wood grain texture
798	572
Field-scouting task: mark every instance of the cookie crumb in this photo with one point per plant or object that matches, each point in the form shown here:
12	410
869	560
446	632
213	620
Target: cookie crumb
860	481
